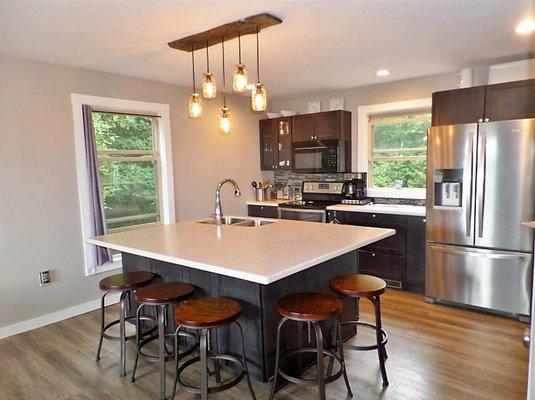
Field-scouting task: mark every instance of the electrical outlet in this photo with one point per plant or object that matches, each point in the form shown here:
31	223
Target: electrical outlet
44	278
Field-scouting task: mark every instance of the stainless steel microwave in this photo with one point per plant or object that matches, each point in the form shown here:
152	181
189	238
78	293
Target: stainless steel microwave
319	156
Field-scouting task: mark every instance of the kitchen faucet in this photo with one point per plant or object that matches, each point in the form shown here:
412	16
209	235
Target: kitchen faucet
218	213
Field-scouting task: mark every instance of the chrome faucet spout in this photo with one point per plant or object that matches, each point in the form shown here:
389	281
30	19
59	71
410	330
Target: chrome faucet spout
218	212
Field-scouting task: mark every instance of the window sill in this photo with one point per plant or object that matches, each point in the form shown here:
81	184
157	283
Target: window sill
392	193
111	266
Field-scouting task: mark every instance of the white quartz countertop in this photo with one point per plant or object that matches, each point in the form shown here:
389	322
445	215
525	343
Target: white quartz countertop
261	254
268	203
399	209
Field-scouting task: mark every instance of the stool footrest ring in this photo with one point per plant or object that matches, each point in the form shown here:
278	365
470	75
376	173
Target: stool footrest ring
113	323
171	356
217	388
311	382
366	325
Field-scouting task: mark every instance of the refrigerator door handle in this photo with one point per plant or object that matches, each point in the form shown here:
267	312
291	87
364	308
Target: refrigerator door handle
482	169
469	205
489	254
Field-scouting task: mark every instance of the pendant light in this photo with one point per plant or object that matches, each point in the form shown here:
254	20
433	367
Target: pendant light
194	104
239	78
208	81
258	95
224	121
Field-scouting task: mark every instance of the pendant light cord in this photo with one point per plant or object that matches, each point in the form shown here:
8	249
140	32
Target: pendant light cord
224	83
193	68
257	57
239	47
207	59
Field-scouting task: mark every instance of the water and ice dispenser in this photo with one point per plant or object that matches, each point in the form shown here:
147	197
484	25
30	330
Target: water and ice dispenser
448	186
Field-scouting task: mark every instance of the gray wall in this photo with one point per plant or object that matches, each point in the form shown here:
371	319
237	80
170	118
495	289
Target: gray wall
39	212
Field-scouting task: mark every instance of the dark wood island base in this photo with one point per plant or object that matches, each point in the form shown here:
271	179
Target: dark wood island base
259	316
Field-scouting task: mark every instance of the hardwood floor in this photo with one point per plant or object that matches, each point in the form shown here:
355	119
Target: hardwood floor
435	353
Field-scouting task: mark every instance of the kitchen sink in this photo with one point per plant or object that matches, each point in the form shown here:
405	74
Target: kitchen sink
237	221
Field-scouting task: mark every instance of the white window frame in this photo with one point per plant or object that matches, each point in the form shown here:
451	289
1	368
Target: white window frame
166	165
364	146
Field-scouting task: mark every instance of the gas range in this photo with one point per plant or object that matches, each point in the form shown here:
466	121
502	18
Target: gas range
316	197
309	204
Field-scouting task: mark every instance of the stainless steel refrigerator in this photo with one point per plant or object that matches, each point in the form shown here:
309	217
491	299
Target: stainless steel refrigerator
481	187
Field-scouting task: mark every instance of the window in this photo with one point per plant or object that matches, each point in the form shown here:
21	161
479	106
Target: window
398	150
129	164
135	164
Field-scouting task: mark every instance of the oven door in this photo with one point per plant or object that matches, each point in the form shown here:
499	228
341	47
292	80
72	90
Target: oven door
297	214
315	156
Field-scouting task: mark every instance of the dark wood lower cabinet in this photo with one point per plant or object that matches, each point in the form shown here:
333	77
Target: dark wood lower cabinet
263	211
399	259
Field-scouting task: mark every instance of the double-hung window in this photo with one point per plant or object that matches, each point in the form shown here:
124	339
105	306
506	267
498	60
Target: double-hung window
129	169
398	150
134	164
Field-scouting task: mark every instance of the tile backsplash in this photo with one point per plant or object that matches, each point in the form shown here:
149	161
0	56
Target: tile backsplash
284	178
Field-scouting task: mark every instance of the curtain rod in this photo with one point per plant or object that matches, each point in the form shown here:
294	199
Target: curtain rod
126	113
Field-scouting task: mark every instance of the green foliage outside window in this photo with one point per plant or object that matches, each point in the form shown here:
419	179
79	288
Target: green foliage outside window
399	150
129	188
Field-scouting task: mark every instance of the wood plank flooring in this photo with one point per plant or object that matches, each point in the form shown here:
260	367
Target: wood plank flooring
435	353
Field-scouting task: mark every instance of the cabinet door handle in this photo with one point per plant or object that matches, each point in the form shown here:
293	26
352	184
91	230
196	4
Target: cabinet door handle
261	207
480	120
424	220
373	254
486	120
373	215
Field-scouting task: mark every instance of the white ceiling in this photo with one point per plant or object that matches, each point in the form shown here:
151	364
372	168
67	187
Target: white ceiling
321	45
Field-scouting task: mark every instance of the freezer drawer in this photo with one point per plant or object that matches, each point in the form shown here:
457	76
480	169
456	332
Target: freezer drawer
496	280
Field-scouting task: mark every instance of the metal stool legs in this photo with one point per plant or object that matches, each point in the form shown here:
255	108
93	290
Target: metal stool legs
122	334
321	379
379	335
204	355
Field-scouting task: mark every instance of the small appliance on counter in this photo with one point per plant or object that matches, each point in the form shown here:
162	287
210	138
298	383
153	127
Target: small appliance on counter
354	190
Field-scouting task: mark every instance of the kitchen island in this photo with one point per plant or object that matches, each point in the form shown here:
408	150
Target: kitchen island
255	265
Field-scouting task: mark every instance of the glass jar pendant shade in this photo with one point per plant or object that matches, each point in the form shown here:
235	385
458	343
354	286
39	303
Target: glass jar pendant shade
208	81
239	79
195	106
259	98
194	103
224	121
258	94
208	86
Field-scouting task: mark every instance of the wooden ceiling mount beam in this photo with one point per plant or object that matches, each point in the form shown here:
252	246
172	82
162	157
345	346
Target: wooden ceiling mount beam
228	31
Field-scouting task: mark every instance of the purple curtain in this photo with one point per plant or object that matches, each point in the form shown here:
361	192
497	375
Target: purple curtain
98	220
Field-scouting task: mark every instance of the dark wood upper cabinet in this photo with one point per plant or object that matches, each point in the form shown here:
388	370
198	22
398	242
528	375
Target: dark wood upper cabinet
268	144
511	100
459	106
303	127
278	134
275	143
498	102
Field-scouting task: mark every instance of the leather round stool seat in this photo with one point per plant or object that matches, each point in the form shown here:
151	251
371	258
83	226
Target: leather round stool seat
206	312
127	280
358	285
309	306
164	293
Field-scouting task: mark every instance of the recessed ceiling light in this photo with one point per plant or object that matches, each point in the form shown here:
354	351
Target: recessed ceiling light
525	27
382	72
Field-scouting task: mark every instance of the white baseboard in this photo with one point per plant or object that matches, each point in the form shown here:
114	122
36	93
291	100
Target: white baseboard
47	319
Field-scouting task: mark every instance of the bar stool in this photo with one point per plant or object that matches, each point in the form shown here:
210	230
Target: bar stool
126	283
160	296
203	315
370	287
311	308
